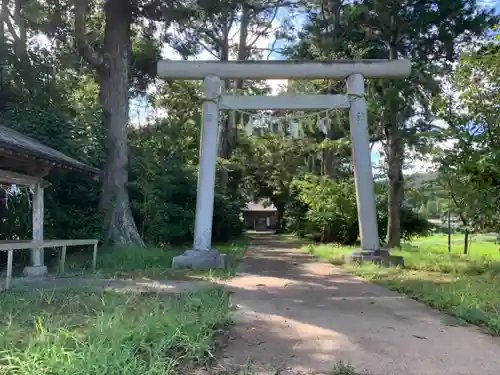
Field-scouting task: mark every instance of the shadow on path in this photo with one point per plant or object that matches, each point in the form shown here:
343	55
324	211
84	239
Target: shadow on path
297	315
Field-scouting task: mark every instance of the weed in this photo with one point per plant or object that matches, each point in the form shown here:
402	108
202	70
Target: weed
343	368
108	333
149	262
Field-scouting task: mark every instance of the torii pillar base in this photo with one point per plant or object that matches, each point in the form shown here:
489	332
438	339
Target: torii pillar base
380	257
200	260
35	272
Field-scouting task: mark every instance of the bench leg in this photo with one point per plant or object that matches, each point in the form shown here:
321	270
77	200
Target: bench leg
9	269
62	261
94	258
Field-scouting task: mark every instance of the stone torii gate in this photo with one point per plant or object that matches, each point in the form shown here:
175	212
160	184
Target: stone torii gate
214	72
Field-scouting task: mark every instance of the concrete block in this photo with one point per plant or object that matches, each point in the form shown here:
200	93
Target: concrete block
381	257
200	259
35	272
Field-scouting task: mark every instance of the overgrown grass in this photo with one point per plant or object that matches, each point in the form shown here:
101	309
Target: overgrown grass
109	333
149	262
466	286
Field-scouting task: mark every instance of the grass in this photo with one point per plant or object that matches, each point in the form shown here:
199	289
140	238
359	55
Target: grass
149	262
465	286
109	333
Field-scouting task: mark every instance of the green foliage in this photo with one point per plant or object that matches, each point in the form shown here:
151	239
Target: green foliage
468	171
343	368
152	263
109	333
413	224
427	32
163	181
327	209
49	93
269	164
331	208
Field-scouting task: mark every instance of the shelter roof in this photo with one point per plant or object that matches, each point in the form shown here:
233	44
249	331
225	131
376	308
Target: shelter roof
17	144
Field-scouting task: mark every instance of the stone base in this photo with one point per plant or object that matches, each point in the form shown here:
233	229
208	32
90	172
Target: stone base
35	272
200	259
381	257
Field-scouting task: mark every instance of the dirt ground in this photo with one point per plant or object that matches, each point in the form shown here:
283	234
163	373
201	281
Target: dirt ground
296	315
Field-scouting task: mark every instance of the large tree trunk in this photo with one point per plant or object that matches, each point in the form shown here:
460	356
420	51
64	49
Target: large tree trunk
227	138
280	211
223	142
114	98
395	158
394	154
227	133
466	242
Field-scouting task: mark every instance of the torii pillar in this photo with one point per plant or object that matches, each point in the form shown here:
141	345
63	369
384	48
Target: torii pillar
213	73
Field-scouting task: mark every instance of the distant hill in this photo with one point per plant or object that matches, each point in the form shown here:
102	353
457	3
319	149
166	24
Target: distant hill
418	179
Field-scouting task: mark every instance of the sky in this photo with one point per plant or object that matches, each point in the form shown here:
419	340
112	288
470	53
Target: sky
418	165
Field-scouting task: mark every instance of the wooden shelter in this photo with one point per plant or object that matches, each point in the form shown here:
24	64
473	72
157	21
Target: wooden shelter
259	216
26	162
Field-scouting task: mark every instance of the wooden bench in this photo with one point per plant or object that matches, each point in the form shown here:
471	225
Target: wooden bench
10	246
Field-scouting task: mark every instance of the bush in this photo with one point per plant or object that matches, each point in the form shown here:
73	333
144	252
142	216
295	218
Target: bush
324	208
327	210
412	224
163	195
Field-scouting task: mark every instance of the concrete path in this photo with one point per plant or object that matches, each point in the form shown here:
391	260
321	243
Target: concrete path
299	316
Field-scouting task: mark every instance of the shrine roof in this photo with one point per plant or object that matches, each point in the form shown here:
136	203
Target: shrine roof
17	144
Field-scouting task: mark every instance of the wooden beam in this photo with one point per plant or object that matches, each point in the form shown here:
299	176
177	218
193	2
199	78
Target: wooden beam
284	69
11	245
9	177
299	102
27	244
19	160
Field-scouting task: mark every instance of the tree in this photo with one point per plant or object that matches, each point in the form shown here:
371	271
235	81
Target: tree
42	99
112	67
469	170
425	31
231	30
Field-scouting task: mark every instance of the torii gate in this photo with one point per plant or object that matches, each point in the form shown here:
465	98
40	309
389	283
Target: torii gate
213	72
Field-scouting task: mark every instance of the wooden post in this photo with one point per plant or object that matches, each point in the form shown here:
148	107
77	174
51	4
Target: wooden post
37	254
8	279
37	267
63	259
94	258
